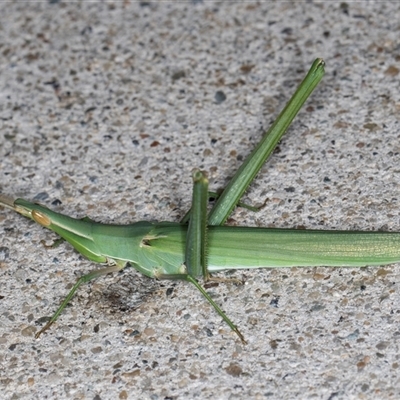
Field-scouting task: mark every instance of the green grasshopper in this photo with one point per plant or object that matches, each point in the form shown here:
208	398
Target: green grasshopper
169	250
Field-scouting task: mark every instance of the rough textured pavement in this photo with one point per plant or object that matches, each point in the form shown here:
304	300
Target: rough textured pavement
105	109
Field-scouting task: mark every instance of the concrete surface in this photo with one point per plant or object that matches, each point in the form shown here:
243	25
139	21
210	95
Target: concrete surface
105	109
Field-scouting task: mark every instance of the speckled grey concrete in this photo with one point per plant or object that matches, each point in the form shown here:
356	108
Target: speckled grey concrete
106	108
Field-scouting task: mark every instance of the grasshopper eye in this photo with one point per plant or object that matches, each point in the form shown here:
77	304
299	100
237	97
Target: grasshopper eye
40	218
